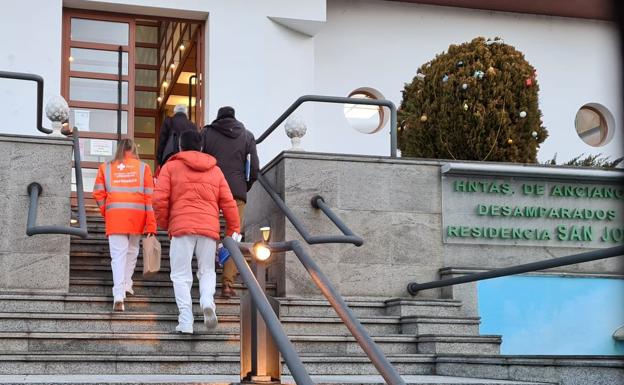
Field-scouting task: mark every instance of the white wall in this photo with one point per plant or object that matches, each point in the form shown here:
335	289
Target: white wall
31	43
380	44
260	67
252	63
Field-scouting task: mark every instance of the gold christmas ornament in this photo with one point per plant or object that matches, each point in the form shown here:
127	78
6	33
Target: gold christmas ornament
423	118
465	106
509	141
491	71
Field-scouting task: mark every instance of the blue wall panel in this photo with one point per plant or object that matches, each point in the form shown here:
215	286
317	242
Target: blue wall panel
553	315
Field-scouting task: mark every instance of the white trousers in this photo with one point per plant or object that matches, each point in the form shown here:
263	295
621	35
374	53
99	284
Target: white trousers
124	249
181	254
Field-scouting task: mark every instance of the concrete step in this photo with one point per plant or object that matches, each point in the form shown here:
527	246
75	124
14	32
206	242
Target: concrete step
458	344
346	365
103	287
60	362
140	322
117	322
152	379
86	303
312	307
119	343
104	272
417	325
111	363
105	342
435	307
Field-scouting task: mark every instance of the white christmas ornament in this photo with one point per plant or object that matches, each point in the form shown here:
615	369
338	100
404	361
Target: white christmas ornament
295	129
534	134
523	114
57	111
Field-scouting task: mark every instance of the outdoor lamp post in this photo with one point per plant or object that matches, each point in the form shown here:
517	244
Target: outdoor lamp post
260	358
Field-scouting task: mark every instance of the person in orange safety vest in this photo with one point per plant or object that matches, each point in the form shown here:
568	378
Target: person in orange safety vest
123	191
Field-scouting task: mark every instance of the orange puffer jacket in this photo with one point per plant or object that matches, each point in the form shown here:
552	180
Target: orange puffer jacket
189	193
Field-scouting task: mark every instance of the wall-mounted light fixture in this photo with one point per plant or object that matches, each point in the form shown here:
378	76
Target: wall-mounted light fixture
261	249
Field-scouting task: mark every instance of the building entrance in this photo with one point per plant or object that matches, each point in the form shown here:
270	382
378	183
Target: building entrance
122	75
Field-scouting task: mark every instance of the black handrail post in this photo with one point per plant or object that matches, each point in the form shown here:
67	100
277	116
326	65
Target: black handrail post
119	83
34	190
39	80
348	236
413	288
372	350
288	351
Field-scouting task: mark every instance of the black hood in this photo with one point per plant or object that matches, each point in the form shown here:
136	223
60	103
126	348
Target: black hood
229	127
225	112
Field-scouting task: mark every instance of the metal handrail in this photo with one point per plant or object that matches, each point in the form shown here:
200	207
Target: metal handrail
39	80
372	350
374	353
34	191
261	303
413	288
317	202
339	100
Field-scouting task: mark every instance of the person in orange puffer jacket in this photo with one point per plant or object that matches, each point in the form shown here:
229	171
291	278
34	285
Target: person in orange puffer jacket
190	191
123	191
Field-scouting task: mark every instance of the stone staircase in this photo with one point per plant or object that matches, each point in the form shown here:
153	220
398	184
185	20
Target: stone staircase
77	333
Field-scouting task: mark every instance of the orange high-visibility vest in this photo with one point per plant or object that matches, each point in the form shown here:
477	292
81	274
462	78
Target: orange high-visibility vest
123	192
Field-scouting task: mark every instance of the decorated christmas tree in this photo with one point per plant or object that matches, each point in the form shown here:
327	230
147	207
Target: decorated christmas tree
478	101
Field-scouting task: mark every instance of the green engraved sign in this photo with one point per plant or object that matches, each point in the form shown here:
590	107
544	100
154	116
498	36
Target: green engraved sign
503	210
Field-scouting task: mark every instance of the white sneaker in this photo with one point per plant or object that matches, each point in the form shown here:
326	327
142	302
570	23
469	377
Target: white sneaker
210	318
184	329
118	305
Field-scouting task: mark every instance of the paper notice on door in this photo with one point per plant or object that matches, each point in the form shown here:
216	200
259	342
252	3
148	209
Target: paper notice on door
101	147
81	119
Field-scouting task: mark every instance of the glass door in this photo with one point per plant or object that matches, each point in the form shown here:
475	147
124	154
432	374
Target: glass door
98	84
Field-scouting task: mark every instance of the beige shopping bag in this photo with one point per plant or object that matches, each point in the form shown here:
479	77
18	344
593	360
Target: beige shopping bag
151	255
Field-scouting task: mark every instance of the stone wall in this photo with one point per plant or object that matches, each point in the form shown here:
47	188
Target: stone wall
39	263
395	205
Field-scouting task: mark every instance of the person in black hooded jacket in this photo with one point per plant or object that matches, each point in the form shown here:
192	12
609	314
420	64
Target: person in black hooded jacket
232	144
170	132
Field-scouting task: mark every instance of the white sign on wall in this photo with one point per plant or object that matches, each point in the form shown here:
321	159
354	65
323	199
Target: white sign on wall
101	147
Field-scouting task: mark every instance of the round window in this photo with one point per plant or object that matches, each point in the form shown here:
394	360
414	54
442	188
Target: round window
594	124
367	119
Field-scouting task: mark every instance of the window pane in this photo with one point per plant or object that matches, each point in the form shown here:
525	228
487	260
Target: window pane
145	145
147	56
146	78
145	124
145	99
88	119
95	90
91	60
97	150
150	162
146	34
97	31
88	179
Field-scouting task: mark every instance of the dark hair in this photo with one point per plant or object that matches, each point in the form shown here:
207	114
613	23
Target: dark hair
190	141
